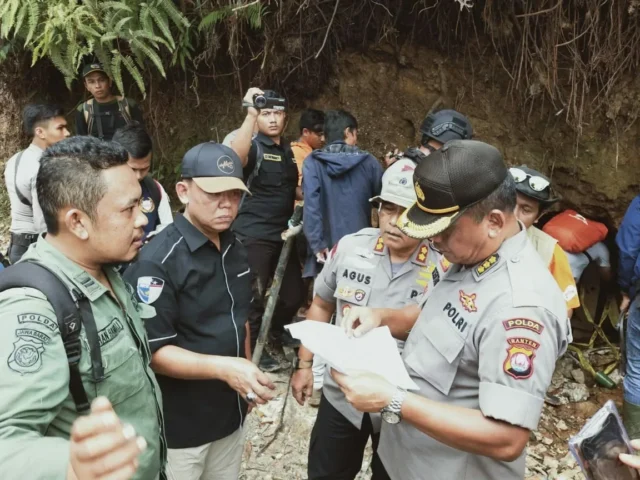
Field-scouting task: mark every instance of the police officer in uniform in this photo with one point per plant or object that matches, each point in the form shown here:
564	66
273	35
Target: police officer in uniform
373	267
272	176
484	347
437	129
89	197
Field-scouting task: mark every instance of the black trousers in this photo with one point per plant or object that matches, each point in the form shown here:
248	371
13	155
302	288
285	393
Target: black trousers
337	447
263	259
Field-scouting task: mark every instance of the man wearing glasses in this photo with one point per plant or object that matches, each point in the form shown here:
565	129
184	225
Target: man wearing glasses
534	197
271	173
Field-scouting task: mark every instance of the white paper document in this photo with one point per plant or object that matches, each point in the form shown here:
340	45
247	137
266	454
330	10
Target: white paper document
375	351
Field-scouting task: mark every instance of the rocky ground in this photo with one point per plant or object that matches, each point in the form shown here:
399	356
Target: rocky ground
278	433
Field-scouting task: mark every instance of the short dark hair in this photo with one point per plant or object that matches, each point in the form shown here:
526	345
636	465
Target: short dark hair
37	114
335	121
313	120
70	175
502	198
135	140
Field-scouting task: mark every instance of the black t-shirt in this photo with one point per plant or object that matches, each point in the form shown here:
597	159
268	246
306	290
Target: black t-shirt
265	213
201	296
110	117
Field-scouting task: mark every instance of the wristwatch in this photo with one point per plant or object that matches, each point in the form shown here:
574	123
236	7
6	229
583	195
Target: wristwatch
392	412
300	364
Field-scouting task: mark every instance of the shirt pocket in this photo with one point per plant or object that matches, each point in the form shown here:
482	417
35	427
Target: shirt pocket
270	173
124	374
436	354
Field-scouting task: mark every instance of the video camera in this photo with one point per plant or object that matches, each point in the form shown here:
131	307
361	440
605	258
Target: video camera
261	102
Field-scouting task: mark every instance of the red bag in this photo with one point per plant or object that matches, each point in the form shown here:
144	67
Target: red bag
574	232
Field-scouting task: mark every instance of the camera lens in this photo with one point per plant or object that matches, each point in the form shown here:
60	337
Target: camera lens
259	101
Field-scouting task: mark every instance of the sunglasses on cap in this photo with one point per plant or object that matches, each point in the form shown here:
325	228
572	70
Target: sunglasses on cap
537	184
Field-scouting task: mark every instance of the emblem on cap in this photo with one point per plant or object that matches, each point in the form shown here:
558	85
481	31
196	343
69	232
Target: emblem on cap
419	192
225	165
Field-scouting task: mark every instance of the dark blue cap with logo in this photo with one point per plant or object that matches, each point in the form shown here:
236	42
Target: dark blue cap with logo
214	168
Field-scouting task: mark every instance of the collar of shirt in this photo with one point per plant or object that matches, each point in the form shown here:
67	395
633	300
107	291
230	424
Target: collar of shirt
508	251
35	148
195	238
47	254
268	141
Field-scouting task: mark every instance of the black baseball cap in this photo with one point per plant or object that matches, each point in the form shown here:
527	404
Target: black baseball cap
447	182
524	185
214	168
92	67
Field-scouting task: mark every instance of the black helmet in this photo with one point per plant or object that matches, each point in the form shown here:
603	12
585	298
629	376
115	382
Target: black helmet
446	125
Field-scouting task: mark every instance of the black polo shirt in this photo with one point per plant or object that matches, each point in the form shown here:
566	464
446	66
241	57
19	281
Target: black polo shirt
265	213
201	296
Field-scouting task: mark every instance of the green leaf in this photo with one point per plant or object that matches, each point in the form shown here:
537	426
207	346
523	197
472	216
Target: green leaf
214	17
121	23
163	26
174	14
135	73
34	17
150	54
116	71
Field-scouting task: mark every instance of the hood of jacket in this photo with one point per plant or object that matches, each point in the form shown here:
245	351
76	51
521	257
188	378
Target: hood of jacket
340	157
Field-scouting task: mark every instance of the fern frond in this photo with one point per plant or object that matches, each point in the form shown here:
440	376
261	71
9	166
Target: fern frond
145	18
135	73
163	25
121	24
108	37
149	53
116	71
115	6
174	14
214	17
34	18
20	18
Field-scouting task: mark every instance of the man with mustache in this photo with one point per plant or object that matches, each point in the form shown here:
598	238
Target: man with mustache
373	267
483	347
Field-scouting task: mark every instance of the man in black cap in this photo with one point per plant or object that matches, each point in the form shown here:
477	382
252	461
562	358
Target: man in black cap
437	129
105	113
484	346
196	274
533	198
271	173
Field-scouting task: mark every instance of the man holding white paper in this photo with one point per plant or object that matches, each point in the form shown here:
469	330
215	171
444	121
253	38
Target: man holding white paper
485	344
374	267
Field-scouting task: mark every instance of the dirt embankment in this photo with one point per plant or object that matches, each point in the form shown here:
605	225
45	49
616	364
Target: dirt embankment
390	92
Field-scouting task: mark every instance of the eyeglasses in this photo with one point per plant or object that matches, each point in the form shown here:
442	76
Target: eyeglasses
537	184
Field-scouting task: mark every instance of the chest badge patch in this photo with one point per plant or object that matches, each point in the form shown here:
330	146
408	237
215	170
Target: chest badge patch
271	157
468	302
147	205
359	295
149	289
520	355
488	264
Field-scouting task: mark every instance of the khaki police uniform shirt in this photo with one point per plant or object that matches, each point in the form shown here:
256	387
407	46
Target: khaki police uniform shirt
36	408
487	339
359	273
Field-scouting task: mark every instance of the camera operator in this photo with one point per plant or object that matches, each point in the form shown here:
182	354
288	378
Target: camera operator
437	129
271	173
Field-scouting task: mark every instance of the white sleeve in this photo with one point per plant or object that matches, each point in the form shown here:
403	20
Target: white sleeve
38	217
164	210
600	253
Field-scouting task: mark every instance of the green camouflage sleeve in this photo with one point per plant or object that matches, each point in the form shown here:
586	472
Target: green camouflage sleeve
34	382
